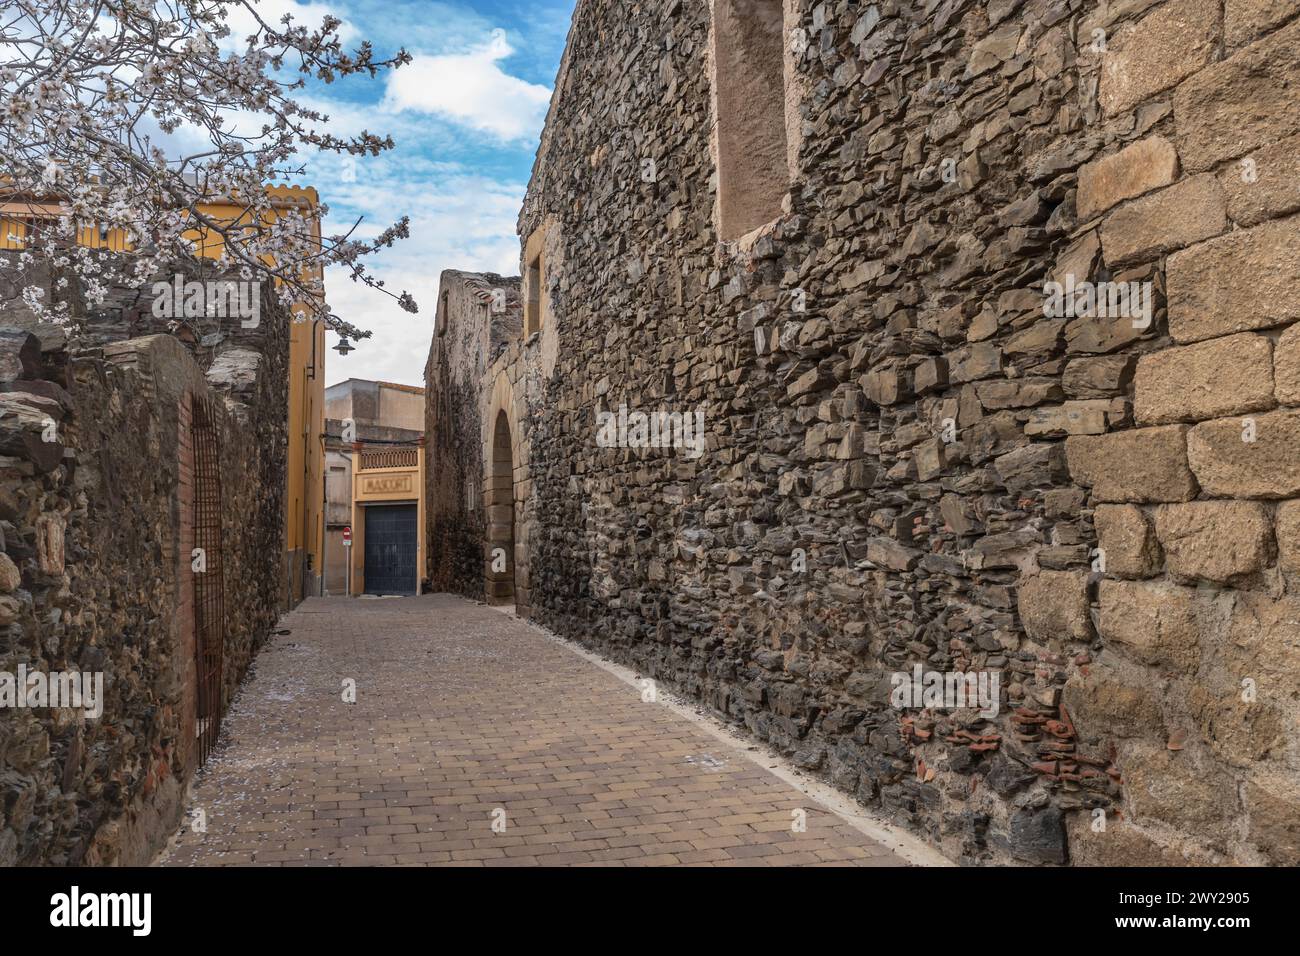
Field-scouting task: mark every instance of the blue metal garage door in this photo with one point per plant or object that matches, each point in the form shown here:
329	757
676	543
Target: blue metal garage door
391	549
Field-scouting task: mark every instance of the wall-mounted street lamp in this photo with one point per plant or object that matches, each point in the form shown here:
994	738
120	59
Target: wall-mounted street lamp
344	346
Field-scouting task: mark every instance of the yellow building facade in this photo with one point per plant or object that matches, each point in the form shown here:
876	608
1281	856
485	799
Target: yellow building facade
375	479
385	481
304	530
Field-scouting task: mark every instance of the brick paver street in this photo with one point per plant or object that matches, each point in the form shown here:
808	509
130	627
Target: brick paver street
463	712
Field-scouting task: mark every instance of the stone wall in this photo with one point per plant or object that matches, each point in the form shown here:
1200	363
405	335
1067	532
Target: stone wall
909	460
96	531
468	336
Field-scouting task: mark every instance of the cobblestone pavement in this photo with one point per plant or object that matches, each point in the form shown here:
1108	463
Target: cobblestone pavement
463	712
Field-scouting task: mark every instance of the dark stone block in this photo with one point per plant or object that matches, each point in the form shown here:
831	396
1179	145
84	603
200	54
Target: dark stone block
1038	836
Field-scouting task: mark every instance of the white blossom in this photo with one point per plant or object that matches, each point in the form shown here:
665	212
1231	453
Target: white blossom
90	93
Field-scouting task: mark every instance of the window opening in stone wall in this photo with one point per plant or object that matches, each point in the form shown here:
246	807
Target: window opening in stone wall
442	314
749	100
533	308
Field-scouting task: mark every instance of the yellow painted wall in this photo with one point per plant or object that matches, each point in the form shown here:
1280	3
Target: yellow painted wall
13	227
385	486
305	497
304	531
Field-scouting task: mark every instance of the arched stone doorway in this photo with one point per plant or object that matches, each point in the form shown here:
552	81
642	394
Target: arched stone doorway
499	566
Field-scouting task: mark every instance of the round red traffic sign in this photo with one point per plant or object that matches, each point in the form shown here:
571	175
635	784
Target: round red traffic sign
347	534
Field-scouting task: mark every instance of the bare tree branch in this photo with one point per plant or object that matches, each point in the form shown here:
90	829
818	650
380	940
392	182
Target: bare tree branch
96	95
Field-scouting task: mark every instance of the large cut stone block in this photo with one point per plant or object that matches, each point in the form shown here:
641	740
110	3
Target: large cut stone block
1244	280
1263	643
1286	367
1175	788
1207	380
1054	606
1219	541
1274	809
1164	47
1139	465
1123	844
1262	185
1257	648
1157	623
1253	457
1238	732
1192	210
1127	541
1112	698
1242	103
1244	20
1136	169
1287	522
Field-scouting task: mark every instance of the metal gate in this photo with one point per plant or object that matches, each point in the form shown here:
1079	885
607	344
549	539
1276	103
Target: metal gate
391	549
209	589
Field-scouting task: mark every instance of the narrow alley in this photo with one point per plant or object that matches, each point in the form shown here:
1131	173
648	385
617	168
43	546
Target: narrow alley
476	739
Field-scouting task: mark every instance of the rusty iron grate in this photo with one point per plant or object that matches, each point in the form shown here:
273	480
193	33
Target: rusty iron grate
209	590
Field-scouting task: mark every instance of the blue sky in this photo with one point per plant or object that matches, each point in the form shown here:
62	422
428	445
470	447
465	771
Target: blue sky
466	116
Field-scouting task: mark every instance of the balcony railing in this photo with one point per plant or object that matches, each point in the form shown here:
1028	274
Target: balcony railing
389	458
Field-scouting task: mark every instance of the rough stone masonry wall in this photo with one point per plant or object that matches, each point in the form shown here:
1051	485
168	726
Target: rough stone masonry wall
1103	141
468	336
95	572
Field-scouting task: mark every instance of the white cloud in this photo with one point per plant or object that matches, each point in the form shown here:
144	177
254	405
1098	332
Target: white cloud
471	89
458	221
461	191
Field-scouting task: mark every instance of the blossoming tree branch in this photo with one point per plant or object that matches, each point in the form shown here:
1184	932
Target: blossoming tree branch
139	118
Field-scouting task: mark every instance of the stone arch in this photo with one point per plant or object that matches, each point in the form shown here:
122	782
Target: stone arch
499	494
506	486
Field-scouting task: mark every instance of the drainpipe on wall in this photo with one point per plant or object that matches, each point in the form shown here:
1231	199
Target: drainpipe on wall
324	513
356	466
325	530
